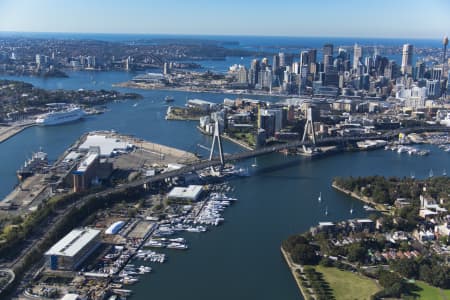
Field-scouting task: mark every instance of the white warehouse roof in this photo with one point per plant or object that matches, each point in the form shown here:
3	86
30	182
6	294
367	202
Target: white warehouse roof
73	242
191	192
87	162
107	144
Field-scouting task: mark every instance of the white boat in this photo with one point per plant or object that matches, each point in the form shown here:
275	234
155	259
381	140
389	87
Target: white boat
254	165
431	173
177	246
178	240
145	269
326	211
320	197
154	244
351	210
69	114
196	229
368	208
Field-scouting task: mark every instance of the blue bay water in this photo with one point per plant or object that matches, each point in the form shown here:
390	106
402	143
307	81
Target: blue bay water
241	258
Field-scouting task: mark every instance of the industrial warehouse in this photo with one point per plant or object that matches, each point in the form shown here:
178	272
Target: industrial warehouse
72	250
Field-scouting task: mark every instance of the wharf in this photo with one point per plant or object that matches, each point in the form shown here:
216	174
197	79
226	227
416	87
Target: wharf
151	152
28	194
7	132
191	89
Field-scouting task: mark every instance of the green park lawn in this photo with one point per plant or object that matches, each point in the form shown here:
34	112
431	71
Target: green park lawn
429	292
347	285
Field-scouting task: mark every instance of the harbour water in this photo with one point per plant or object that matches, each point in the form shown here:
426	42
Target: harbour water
240	259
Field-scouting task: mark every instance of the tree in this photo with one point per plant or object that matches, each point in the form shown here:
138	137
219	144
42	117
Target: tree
406	267
387	279
304	254
356	253
290	243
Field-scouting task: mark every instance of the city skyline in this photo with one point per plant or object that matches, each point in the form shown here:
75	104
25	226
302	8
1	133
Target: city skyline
263	18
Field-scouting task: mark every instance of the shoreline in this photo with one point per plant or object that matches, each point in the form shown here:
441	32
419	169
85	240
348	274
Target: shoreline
233	140
187	89
294	267
377	206
7	132
237	142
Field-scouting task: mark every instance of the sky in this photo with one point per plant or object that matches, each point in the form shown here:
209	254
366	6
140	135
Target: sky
327	18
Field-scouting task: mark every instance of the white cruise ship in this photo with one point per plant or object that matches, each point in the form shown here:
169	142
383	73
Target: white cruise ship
71	113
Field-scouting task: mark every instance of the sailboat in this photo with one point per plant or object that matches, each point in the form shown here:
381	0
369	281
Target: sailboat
326	211
431	173
413	175
320	197
444	172
351	210
254	165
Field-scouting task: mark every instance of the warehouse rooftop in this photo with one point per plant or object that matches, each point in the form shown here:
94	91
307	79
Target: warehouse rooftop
73	242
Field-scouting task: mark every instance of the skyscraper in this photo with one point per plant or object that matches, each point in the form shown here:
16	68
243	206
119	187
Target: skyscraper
282	59
312	56
254	72
407	55
304	58
328	49
275	63
242	75
444	68
327	63
357	54
419	70
445	43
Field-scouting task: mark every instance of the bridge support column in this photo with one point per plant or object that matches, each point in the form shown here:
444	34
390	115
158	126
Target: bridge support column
309	125
219	143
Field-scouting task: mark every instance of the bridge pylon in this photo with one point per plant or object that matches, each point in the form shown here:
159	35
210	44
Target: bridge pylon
309	127
216	135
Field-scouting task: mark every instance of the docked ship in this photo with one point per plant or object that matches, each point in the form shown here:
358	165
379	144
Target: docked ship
37	163
69	114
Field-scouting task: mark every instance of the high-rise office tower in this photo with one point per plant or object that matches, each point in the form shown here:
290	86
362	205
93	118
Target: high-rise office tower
242	75
254	72
327	63
275	63
445	43
357	54
282	59
419	70
312	56
407	55
444	67
304	58
390	71
328	49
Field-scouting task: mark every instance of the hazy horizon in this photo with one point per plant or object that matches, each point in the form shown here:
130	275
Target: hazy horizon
322	18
